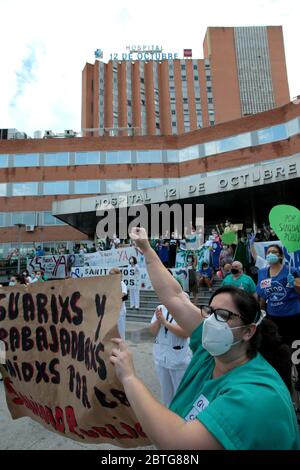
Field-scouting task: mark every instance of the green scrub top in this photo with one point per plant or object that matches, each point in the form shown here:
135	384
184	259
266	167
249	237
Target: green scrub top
249	408
242	282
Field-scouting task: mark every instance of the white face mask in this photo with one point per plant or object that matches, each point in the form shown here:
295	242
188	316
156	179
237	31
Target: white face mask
217	337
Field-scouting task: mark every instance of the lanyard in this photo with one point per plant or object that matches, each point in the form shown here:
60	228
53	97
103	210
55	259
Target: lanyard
167	318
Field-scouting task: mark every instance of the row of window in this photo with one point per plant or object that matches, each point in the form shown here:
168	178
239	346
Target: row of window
53	188
261	136
8	219
49	247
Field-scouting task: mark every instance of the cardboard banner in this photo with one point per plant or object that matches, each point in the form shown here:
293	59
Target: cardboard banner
55	266
292	259
57	337
127	273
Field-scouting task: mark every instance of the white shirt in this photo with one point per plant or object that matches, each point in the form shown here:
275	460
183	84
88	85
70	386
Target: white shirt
163	349
124	292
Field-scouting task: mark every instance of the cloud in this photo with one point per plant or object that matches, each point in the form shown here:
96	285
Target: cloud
25	75
48	44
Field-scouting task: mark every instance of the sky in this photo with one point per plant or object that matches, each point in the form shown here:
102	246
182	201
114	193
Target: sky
45	46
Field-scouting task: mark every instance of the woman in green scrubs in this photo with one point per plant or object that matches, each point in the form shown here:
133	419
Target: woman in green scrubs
231	396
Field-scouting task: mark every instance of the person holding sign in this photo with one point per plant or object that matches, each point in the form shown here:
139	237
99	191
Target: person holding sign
122	317
231	397
279	290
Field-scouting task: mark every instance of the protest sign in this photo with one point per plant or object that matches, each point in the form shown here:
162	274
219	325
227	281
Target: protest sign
57	338
110	258
285	221
229	238
193	241
127	273
202	255
55	266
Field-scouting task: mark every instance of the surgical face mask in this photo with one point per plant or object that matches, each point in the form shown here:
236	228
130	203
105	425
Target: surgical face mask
234	271
272	258
217	337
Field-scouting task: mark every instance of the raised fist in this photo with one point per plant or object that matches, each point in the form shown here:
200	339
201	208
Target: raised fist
140	237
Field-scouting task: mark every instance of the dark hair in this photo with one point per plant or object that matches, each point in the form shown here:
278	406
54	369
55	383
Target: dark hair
278	247
266	339
21	279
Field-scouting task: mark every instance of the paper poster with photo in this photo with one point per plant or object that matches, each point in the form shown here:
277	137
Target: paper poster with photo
57	371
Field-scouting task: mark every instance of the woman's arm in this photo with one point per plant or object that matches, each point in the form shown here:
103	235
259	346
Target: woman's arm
154	327
176	330
262	303
167	288
163	427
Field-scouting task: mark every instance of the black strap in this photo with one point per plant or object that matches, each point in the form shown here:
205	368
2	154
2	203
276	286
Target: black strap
167	318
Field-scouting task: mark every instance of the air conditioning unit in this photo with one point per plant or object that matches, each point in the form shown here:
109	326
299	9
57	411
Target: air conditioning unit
70	133
48	134
30	228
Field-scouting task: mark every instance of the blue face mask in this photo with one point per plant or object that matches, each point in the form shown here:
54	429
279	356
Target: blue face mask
272	258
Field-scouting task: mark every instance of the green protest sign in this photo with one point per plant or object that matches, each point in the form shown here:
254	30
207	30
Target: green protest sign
285	221
228	238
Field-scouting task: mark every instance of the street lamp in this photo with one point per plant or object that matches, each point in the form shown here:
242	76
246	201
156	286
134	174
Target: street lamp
19	242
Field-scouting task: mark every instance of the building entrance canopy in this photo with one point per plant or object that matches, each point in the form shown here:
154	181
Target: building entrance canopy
215	189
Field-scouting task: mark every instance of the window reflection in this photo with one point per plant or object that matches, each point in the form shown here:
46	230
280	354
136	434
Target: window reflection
87	187
118	186
189	153
149	183
26	159
25	189
56	159
149	156
56	187
173	156
272	134
118	157
210	148
87	158
48	219
293	127
3	161
234	143
27	218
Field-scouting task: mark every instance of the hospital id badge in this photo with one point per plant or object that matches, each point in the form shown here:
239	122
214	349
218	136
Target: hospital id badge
265	283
